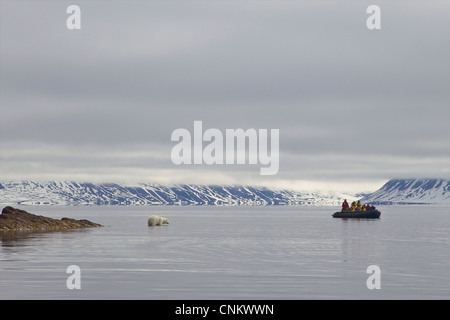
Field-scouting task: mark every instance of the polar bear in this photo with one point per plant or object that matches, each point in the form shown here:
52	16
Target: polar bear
157	221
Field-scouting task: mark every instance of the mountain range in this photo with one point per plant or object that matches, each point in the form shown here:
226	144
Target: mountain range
396	191
75	193
411	191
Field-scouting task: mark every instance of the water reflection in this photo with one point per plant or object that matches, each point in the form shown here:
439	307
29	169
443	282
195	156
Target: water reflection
360	240
21	238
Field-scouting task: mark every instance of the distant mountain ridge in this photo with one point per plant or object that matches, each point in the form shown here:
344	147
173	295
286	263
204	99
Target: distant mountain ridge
75	193
411	191
395	191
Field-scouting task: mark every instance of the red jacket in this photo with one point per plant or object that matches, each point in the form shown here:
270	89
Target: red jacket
345	205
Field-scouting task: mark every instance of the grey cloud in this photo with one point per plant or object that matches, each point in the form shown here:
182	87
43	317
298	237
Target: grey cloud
138	70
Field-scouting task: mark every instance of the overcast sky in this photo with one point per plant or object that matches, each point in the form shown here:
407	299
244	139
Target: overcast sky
355	107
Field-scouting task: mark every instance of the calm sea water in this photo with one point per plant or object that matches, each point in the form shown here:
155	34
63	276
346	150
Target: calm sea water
231	253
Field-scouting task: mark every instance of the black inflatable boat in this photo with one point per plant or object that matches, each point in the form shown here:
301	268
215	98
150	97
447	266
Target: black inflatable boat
371	214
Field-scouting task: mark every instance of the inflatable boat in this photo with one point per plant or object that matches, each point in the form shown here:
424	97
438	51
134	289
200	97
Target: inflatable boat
371	214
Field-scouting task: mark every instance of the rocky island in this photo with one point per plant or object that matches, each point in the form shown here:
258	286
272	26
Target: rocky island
13	219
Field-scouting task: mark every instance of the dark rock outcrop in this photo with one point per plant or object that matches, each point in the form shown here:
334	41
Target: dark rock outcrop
13	219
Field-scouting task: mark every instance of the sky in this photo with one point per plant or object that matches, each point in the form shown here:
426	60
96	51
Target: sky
354	107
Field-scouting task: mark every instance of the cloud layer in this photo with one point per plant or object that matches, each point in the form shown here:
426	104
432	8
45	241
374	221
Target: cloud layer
353	105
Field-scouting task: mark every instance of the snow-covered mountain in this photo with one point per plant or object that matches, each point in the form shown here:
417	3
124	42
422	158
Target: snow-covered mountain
74	193
396	191
411	191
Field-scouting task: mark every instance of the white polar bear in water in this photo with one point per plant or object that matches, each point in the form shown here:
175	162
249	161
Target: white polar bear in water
157	221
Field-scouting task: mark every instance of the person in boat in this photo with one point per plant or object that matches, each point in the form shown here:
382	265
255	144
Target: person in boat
353	206
358	206
345	206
